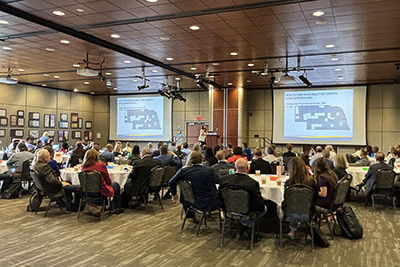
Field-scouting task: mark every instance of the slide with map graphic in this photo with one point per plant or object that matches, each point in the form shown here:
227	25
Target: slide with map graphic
318	115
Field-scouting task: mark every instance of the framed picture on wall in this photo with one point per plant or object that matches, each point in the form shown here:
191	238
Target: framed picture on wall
20	113
74	125
76	134
74	117
33	134
64	124
21	122
52	120
80	123
51	134
3	112
46	120
66	135
88	125
34	115
86	135
2	132
34	123
16	133
60	136
90	135
13	120
63	117
3	121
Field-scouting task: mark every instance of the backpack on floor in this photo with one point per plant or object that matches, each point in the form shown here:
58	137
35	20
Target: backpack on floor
34	201
348	222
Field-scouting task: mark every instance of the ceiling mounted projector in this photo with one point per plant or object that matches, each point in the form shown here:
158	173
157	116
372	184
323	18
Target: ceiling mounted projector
87	72
8	80
287	78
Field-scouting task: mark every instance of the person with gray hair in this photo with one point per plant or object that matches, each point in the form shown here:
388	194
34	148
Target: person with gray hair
203	181
318	149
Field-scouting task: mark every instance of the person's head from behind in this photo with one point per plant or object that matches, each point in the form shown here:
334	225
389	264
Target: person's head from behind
146	152
39	143
91	157
173	144
109	147
318	149
209	153
178	147
237	151
306	159
45	133
329	148
43	156
196	157
197	147
229	146
50	149
297	170
326	154
241	165
118	147
319	166
257	153
135	150
368	149
22	147
160	144
28	140
185	145
270	150
216	149
245	145
396	154
363	154
150	145
375	149
65	146
289	147
164	149
340	162
79	145
220	155
380	157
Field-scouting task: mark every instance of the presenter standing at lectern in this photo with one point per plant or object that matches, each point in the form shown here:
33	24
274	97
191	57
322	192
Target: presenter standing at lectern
202	136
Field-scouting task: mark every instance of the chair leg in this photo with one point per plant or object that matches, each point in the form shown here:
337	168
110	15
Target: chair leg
329	226
184	220
394	203
252	235
373	201
79	208
205	219
159	200
220	219
48	207
39	201
201	220
280	233
312	236
102	210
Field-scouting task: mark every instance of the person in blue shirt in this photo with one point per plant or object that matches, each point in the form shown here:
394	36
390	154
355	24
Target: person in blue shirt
168	157
107	155
45	138
247	151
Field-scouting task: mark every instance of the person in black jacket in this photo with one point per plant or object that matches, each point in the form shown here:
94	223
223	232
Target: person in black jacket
340	169
259	164
241	180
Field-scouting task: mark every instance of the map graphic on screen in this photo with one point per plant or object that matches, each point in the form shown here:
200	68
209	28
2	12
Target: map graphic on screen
322	117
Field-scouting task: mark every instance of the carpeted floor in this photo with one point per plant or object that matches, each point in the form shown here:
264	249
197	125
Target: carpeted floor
154	238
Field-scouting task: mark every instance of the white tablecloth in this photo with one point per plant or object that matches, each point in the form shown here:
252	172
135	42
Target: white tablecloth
116	175
270	190
3	166
358	174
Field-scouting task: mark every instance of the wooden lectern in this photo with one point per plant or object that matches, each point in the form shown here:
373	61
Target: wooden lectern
212	140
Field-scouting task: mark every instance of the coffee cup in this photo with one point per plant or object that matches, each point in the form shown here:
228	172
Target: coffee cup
279	182
264	180
258	172
76	168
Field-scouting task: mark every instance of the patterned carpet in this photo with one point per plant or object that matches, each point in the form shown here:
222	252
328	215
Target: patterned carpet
154	238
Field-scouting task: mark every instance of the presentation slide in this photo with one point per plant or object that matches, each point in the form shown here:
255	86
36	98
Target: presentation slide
334	116
140	118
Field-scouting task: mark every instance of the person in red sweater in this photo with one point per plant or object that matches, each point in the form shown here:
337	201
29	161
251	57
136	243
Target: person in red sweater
108	188
237	152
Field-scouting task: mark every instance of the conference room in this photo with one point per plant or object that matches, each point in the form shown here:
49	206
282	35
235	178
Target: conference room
305	72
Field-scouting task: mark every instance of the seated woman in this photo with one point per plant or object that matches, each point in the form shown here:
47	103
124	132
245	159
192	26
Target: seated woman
209	158
306	160
134	155
298	175
108	188
259	164
118	150
327	181
341	167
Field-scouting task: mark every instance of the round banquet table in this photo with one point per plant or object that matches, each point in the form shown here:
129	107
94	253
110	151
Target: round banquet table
116	175
270	190
358	173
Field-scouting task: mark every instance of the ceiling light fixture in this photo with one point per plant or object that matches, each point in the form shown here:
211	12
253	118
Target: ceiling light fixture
194	28
21	70
108	73
3	22
330	46
56	77
340	78
215	64
248	81
234	53
164	38
169	58
58	13
64	41
80	10
86	82
318	13
76	90
92	93
334	59
338	69
116	36
127	61
43	84
76	65
46	74
230	83
321	22
6	48
154	71
115	88
50	49
193	68
177	78
250	65
134	80
151	1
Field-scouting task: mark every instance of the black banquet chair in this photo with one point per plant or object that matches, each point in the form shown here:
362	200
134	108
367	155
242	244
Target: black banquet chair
237	208
170	171
156	178
299	199
384	186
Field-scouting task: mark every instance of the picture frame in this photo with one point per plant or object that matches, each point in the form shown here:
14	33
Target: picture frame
76	134
52	120
20	122
74	125
63	117
60	136
66	135
2	132
3	112
34	115
88	125
17	133
33	134
3	121
64	124
46	121
74	117
51	133
90	135
20	113
80	123
13	120
86	135
34	123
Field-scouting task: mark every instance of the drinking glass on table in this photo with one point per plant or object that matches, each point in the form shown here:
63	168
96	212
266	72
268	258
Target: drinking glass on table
264	180
258	172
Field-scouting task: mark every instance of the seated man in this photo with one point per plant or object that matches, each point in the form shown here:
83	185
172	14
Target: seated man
222	167
327	159
369	180
259	164
241	180
107	155
157	151
138	180
203	181
318	149
364	161
168	157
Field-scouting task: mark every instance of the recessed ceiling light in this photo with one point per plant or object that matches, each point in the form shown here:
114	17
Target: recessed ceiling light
164	38
151	1
321	22
80	10
58	13
3	22
254	71
86	82
115	88
334	59
115	36
340	78
177	78
250	65
108	73
21	70
134	80
193	68
43	84
46	74
92	93
76	65
264	73
50	49
169	58
330	46
211	76
230	83
248	81
234	54
6	48
338	69
215	64
194	28
76	90
318	13
127	61
154	71
64	41
56	77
